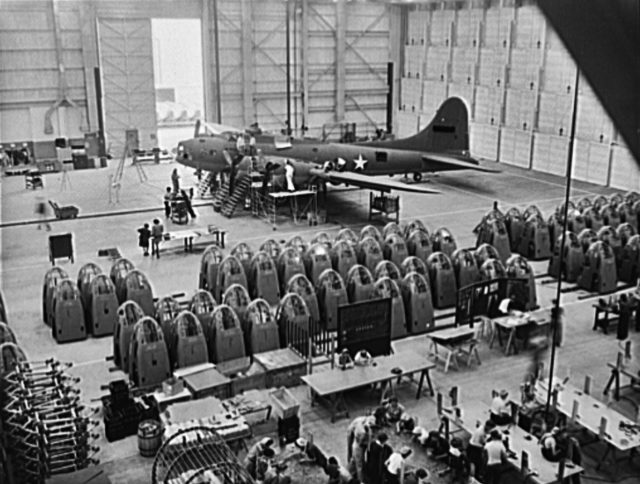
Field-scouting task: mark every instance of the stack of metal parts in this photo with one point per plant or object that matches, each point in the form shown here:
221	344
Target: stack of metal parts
46	428
198	454
122	413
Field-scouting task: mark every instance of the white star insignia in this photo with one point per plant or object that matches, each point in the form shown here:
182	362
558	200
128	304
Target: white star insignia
360	162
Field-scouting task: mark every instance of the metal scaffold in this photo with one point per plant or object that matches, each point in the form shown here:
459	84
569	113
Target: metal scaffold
300	204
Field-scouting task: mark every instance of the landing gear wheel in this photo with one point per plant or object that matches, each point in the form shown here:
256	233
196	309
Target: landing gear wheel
417	177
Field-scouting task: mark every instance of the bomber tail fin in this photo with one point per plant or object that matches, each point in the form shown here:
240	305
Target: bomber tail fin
448	131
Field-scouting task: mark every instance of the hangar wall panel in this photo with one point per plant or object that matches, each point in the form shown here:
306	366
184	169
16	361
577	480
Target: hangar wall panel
465	92
484	140
488	105
624	169
437	63
418	21
129	99
433	94
515	147
593	123
411	97
559	72
529	27
29	75
550	153
230	58
519	77
497	26
440	27
591	161
14	125
520	108
463	64
524	70
407	124
366	57
414	60
468	26
492	67
555	113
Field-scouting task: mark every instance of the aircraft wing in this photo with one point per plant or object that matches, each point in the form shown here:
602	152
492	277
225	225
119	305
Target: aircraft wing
366	181
439	162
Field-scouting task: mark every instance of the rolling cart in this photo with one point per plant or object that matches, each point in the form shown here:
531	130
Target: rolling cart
179	212
68	211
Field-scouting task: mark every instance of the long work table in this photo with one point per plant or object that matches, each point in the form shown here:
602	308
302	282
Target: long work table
538	470
331	384
607	424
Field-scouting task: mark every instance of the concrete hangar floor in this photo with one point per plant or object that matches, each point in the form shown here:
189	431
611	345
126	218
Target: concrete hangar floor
465	197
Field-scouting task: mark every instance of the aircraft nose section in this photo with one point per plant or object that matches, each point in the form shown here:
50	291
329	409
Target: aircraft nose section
183	155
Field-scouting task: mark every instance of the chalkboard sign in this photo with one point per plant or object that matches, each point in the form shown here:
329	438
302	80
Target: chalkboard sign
365	325
483	298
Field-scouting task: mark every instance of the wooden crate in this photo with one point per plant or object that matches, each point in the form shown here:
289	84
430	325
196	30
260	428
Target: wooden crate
283	367
254	378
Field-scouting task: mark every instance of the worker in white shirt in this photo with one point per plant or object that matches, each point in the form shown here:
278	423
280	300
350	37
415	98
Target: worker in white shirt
289	171
476	446
395	466
495	455
358	437
500	409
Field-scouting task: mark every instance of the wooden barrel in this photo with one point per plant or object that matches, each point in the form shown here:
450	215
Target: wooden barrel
149	437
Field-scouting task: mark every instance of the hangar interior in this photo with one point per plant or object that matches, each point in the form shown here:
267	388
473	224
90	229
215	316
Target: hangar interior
99	84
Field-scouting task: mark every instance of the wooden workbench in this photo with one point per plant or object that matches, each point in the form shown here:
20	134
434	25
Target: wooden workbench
454	341
332	384
511	324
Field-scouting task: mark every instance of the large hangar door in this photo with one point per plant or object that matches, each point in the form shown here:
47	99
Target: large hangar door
128	88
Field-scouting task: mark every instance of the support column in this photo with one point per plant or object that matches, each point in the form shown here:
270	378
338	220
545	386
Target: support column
304	65
211	68
341	34
89	60
247	63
